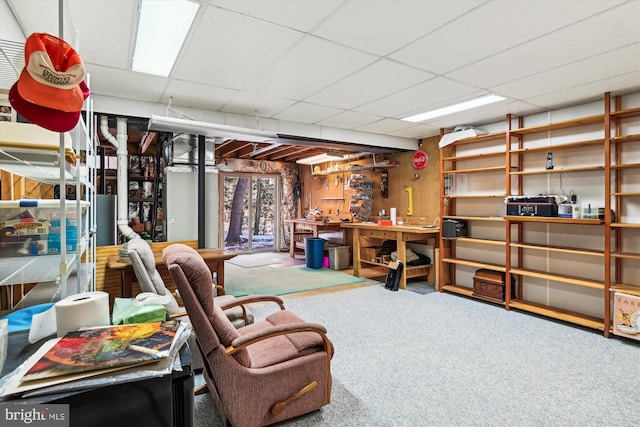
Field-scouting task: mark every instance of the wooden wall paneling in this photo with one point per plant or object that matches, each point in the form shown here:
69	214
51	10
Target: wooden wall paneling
426	187
109	281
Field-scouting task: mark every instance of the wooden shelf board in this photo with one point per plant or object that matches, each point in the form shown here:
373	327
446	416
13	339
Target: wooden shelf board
625	114
627	289
461	290
458	290
475	218
626	166
556	313
624	225
469	263
477	196
554	219
571	280
626	138
475	170
626	255
560	125
558	170
555	147
564	249
626	193
480	138
481	241
474	156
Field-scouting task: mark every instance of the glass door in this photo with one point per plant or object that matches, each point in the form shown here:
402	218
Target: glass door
249	212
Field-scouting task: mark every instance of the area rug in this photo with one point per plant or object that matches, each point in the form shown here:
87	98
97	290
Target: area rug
255	260
273	280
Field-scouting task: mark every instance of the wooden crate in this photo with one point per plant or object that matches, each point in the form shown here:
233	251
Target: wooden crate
490	284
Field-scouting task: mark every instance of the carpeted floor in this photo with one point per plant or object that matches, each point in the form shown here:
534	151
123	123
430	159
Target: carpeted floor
406	359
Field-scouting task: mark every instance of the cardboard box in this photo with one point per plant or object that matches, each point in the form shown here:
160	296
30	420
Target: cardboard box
369	254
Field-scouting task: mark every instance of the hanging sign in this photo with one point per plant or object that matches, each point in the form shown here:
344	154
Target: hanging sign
263	166
420	159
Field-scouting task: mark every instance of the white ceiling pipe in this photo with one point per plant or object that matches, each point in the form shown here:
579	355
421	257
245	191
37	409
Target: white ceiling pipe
122	153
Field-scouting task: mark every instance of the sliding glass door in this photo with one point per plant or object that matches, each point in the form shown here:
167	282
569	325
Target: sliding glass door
250	212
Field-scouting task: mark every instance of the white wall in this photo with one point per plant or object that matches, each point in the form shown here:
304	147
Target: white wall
181	207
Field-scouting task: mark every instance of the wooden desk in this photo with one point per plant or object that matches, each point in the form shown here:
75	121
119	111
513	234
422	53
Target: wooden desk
214	258
401	234
306	228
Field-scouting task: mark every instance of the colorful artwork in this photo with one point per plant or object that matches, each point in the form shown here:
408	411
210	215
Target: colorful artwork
626	315
105	348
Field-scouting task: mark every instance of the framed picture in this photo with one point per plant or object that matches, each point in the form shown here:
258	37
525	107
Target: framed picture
7	113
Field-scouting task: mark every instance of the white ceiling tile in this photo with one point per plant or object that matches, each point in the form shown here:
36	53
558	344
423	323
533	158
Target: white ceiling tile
253	104
383	26
385	126
417	132
310	66
349	120
375	81
492	28
595	90
301	15
105	41
306	113
483	115
229	50
420	98
621	61
572	43
142	87
195	95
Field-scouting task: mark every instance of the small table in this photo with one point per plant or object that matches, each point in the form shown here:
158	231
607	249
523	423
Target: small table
165	400
214	258
305	227
401	234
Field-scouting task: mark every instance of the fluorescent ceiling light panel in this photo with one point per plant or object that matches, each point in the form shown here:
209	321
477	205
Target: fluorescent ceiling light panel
162	28
456	108
320	158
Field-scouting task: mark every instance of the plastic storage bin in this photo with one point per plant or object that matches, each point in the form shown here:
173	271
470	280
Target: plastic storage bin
314	251
339	257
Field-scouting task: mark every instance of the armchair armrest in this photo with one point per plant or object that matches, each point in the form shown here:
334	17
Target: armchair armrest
249	299
274	331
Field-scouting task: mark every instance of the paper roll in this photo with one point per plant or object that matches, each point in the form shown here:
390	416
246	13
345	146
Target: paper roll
84	310
393	216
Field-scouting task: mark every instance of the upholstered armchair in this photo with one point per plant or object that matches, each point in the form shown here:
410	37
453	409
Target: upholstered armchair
149	279
259	374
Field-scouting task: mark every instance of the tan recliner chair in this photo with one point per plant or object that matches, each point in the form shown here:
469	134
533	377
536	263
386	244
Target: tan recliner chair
259	374
149	279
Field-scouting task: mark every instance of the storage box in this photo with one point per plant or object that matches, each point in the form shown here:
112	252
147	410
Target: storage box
369	254
490	284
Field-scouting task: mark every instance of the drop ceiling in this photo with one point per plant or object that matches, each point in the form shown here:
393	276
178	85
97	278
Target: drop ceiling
350	70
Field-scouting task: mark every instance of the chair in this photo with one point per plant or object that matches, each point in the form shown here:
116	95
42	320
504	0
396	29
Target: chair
259	374
149	279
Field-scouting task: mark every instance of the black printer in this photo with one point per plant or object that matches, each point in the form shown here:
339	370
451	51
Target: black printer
531	206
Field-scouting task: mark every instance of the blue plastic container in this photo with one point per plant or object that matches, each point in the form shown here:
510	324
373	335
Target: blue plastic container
314	251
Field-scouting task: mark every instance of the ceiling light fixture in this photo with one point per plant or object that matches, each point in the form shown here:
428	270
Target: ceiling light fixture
320	158
456	108
162	29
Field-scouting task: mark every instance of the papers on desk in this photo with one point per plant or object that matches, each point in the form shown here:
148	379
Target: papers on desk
95	369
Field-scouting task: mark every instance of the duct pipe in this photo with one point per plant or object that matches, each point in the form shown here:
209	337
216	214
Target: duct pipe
122	153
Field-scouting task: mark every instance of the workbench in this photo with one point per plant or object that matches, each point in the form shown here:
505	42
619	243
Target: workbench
401	234
301	228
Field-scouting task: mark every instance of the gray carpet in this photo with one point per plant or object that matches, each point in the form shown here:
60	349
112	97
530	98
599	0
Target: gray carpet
406	359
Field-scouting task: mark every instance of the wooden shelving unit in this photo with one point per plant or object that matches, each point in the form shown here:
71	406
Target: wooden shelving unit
592	258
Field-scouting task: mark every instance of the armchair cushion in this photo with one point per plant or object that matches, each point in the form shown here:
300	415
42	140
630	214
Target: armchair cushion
144	266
